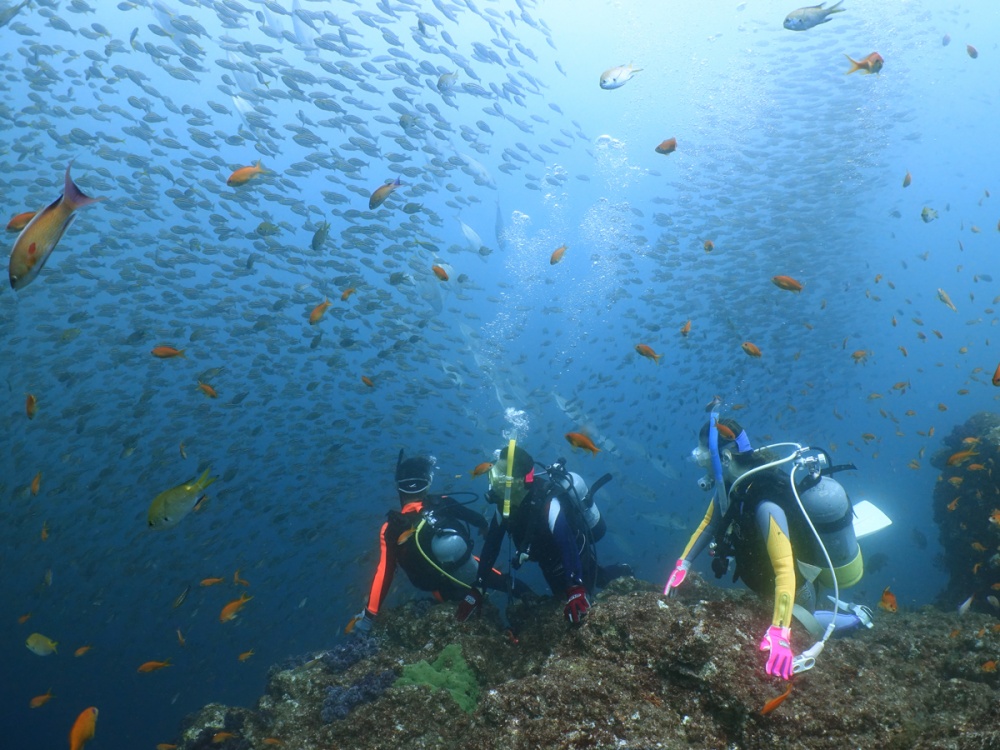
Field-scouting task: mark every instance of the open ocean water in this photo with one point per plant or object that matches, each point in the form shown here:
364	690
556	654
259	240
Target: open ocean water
490	114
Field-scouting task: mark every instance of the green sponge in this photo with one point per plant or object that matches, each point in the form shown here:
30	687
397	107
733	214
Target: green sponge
449	672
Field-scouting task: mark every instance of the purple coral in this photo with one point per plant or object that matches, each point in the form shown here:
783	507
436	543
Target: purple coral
341	700
348	653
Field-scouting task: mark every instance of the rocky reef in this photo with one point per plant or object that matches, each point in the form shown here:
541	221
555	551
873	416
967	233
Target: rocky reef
643	672
967	511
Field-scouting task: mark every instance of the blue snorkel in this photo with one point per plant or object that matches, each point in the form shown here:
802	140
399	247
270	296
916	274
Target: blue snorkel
742	445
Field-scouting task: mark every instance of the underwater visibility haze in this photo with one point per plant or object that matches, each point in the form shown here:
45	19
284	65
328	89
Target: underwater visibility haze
327	231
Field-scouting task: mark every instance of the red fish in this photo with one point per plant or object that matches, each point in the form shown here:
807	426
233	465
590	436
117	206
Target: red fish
751	349
317	312
648	353
229	611
667	147
775	702
871	64
888	601
557	255
20	221
481	468
83	728
243	175
579	440
166	352
787	283
440	273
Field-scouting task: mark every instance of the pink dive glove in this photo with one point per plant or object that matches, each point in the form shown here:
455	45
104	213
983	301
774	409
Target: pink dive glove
677	576
778	641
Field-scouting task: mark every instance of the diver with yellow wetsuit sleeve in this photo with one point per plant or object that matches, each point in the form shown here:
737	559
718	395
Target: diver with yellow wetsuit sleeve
787	532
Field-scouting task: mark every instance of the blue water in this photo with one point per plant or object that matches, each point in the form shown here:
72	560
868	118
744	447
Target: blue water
786	164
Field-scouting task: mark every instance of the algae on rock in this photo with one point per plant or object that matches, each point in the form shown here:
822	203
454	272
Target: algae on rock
448	672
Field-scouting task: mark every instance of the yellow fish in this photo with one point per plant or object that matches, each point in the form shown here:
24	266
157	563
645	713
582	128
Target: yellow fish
37	240
39	644
170	506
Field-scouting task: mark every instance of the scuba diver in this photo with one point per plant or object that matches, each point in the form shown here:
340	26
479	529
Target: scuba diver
552	520
788	532
429	538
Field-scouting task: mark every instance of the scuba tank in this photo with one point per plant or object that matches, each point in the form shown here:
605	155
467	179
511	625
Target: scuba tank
574	487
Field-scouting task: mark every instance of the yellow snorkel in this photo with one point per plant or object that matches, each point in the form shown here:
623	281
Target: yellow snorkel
509	478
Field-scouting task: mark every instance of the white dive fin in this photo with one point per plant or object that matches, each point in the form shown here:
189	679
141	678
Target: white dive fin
868	519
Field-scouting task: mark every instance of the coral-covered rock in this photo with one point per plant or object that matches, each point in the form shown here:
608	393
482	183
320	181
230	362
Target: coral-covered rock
644	672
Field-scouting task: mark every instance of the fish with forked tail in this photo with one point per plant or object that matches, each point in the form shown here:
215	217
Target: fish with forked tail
812	15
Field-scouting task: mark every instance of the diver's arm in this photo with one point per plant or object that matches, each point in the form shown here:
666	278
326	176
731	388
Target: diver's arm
383	573
490	551
470	516
566	542
773	526
704	533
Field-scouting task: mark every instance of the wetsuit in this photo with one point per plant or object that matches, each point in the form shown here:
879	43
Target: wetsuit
770	526
404	542
545	528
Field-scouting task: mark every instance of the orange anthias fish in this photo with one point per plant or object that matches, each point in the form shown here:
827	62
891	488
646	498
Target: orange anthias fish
380	194
36	483
40	700
153	666
579	440
31	404
775	702
557	255
787	283
709	246
751	349
907	179
19	222
220	737
166	352
39	238
440	273
648	352
888	601
871	64
686	328
245	655
481	469
724	431
347	293
318	312
83	728
958	458
667	147
207	390
996	376
82	650
230	610
243	175
211	581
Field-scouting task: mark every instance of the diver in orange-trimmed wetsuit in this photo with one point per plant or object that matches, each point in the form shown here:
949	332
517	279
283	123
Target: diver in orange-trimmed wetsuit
429	538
